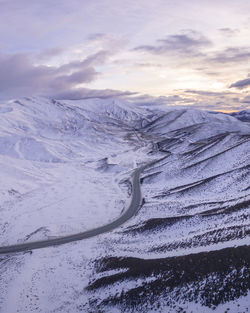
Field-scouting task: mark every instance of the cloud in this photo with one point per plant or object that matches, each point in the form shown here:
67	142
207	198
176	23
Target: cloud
109	42
162	100
206	100
246	100
231	55
85	93
240	84
227	31
148	65
19	76
92	60
97	36
208	93
188	43
49	53
203	100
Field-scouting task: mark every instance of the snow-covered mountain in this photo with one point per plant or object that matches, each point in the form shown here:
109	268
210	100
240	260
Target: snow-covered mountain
66	167
243	116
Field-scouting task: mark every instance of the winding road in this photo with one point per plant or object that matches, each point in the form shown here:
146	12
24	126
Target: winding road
130	212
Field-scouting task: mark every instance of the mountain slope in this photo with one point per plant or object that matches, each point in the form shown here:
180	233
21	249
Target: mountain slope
67	167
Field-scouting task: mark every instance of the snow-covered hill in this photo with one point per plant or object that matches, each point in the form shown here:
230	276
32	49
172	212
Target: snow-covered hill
63	154
65	167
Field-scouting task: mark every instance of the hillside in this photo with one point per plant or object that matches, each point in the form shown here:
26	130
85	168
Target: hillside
66	167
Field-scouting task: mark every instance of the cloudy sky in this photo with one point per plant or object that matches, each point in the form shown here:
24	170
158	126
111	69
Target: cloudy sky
170	51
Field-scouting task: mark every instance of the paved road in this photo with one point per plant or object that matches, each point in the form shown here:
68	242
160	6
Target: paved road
131	211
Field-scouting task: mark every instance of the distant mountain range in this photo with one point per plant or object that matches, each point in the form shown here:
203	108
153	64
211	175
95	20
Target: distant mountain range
243	116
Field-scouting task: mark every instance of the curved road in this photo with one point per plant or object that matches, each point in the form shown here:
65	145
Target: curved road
131	211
